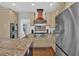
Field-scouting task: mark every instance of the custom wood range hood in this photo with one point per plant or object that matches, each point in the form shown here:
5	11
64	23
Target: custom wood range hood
40	18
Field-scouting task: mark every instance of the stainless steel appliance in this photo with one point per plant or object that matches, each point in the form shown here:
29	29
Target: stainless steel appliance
13	30
67	32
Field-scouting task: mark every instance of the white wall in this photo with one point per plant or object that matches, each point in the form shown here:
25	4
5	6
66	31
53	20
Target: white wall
23	19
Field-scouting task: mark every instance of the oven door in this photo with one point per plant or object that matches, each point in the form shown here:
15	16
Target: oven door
40	29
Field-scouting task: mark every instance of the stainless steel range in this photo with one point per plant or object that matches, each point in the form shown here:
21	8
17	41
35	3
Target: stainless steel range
40	23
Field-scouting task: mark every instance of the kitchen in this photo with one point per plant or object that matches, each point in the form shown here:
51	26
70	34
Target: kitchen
28	28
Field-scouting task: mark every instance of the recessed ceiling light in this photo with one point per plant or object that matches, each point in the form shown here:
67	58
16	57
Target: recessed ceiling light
33	4
51	4
13	4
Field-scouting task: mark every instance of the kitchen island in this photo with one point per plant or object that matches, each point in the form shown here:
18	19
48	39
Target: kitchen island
14	47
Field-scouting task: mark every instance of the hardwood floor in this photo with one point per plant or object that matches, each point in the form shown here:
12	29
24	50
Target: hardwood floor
43	51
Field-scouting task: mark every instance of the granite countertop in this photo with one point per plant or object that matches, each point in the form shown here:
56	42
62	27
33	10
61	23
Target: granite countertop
15	47
47	41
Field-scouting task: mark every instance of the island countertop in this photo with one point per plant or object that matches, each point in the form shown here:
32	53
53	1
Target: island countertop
14	47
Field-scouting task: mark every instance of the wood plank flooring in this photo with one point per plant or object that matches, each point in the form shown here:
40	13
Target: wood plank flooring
47	51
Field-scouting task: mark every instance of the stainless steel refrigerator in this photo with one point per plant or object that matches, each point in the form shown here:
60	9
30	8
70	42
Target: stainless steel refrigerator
67	32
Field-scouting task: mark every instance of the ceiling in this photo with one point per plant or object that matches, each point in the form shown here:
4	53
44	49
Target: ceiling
30	6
